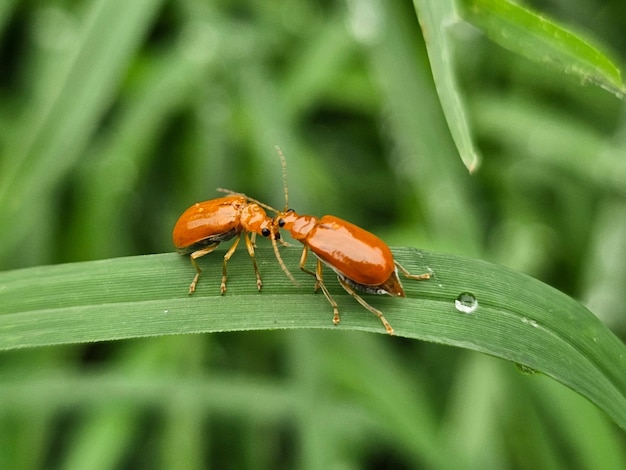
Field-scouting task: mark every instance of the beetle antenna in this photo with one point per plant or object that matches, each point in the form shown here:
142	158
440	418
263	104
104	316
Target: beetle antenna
283	162
248	198
281	262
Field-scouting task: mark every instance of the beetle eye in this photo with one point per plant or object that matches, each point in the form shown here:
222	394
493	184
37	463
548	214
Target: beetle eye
290	210
265	232
281	223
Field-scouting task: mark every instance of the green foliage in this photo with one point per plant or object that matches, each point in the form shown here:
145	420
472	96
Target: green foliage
509	315
115	116
544	41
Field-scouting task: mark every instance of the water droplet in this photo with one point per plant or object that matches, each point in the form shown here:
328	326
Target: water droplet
466	303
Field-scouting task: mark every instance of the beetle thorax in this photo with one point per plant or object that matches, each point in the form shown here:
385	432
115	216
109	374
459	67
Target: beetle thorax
299	226
253	218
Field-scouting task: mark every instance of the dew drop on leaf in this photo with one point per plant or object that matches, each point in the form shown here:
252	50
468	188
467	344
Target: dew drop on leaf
466	302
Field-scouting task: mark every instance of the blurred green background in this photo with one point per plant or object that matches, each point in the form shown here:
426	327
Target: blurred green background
115	116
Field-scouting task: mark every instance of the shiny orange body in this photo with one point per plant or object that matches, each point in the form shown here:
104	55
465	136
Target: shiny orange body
361	260
202	227
350	251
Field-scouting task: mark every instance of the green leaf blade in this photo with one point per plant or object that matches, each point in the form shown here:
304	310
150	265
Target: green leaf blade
518	318
537	38
434	19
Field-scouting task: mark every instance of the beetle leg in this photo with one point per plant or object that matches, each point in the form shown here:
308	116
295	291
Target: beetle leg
227	256
319	284
319	278
283	242
305	251
317	275
250	246
360	300
407	274
193	257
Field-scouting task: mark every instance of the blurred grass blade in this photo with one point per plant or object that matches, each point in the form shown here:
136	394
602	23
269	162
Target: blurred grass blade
537	38
6	9
434	18
517	318
76	89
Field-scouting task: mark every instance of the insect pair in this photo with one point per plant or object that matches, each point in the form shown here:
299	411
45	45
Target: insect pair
361	260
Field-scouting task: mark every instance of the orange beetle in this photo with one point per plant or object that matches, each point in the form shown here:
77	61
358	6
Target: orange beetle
361	260
202	227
